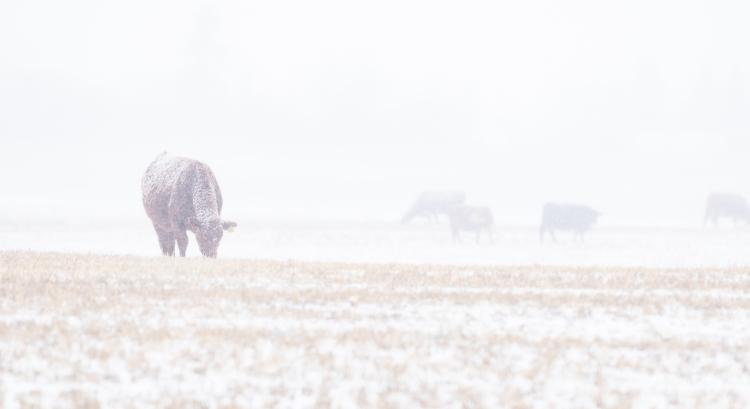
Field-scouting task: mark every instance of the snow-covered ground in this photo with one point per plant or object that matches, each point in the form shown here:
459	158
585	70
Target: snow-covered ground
419	243
122	331
375	315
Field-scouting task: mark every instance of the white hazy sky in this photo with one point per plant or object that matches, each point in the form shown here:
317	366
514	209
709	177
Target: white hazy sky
346	110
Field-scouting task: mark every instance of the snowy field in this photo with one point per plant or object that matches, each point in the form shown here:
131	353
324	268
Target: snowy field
394	318
419	243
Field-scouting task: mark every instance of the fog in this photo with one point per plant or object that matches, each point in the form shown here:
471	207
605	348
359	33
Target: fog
338	110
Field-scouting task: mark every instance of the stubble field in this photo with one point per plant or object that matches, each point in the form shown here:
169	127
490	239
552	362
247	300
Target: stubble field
125	331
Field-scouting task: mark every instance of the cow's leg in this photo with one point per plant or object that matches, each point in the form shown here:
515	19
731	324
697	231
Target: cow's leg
456	236
182	242
166	241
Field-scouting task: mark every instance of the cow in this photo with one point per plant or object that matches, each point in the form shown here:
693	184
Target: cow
432	204
726	205
578	218
470	218
180	195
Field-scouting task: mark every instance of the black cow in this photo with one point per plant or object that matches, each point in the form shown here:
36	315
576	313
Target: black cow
432	204
469	218
181	194
577	218
726	205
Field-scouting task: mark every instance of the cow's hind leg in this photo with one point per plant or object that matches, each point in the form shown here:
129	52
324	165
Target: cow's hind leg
456	235
182	242
166	241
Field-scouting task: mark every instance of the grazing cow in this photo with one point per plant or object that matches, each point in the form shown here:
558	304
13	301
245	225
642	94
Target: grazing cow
469	218
726	205
181	194
432	204
577	218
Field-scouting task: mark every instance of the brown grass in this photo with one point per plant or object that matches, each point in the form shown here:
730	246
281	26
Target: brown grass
117	331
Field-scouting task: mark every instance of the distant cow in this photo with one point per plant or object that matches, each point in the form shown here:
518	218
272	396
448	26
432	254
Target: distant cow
432	204
577	218
726	205
469	218
181	194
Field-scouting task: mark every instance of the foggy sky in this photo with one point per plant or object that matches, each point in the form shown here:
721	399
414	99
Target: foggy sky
346	110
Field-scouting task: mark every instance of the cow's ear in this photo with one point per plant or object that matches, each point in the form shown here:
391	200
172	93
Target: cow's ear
228	226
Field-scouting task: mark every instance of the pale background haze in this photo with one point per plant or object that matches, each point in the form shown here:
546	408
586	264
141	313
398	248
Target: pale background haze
340	110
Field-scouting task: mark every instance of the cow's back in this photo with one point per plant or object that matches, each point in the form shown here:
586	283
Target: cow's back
434	203
571	217
725	204
159	185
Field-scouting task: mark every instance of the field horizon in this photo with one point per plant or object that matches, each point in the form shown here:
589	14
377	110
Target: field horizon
377	242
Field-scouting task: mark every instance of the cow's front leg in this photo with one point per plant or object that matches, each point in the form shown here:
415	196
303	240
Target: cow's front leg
182	241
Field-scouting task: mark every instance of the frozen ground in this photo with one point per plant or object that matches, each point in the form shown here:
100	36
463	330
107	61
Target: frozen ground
635	318
123	331
382	242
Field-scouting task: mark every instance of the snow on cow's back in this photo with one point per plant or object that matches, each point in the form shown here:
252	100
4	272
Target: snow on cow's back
162	173
565	215
158	185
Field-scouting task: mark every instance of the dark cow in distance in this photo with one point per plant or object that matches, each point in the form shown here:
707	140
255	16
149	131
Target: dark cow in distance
181	194
470	218
576	218
431	204
726	205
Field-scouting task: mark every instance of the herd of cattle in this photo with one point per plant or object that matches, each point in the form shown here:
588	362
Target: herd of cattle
181	195
478	219
555	216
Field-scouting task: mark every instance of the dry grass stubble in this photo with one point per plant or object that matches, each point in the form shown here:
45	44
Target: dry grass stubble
101	331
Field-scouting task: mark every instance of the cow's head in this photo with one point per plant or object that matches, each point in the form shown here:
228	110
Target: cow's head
595	216
208	234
